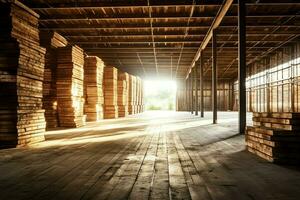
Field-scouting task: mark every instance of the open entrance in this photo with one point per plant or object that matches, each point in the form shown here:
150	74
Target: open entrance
160	94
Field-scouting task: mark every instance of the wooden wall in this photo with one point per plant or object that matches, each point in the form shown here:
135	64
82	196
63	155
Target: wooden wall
225	96
273	82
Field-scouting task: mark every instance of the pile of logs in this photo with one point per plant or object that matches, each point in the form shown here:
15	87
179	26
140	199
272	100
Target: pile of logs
93	79
123	81
69	83
22	70
51	41
275	137
110	92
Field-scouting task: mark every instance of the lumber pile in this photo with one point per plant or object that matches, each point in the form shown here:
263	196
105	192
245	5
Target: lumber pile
69	83
110	84
123	83
275	137
130	95
134	94
51	41
141	97
21	70
93	84
138	89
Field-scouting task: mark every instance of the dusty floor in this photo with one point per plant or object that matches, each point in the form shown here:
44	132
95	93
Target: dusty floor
155	155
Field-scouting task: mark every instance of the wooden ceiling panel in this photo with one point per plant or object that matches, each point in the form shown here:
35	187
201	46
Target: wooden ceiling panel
162	37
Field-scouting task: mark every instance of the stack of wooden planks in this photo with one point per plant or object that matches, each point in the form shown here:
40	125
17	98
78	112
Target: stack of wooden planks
51	41
138	89
142	97
69	83
123	82
130	95
93	84
110	84
21	70
134	95
275	137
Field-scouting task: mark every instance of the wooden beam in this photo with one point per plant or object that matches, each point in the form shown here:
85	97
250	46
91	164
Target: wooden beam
214	77
174	26
152	36
141	4
220	15
242	65
173	34
71	18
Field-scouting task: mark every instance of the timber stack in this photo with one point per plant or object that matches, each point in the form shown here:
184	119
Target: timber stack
93	84
142	97
22	70
275	137
130	109
51	41
137	102
134	94
110	84
123	82
70	60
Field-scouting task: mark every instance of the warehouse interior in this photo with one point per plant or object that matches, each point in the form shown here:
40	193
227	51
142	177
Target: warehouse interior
76	77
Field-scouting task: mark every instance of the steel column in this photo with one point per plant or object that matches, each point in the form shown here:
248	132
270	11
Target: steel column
214	76
242	65
191	94
201	85
196	90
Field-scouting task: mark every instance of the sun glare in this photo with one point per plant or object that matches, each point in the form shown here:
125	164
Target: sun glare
160	94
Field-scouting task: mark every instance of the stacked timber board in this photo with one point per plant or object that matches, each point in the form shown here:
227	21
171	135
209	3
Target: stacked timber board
138	89
142	97
51	41
93	84
110	84
275	137
130	98
134	95
69	83
123	82
21	70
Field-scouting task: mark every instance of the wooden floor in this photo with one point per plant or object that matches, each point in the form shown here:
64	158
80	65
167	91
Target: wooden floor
155	155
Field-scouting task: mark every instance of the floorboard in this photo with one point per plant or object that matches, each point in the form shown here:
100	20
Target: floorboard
154	155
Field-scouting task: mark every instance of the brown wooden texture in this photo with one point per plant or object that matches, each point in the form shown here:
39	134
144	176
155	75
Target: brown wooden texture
273	82
22	73
123	89
93	88
275	137
224	94
51	41
69	83
156	155
110	84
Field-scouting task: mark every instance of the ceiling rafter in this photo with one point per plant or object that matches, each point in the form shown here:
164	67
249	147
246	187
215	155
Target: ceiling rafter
153	41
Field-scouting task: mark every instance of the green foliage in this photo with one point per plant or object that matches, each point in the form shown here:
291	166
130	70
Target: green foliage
160	96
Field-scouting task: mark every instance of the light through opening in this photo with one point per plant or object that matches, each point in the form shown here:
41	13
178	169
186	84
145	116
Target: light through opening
160	94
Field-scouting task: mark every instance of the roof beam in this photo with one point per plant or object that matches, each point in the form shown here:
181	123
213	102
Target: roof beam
105	18
168	35
137	4
219	17
152	35
92	28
